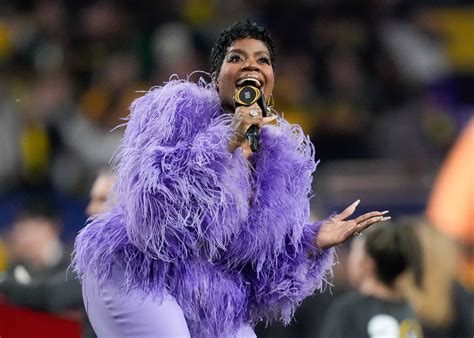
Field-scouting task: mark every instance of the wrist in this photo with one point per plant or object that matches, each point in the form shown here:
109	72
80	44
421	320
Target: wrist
232	146
319	244
235	142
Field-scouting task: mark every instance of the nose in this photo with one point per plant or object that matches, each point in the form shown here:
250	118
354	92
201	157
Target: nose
250	64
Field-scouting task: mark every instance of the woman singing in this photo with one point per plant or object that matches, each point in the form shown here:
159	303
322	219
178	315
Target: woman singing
206	238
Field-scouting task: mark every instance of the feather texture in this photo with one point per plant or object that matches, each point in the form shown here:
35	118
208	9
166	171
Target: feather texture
225	236
282	264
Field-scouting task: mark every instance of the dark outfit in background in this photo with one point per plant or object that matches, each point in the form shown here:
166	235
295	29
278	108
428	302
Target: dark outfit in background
55	290
462	325
358	316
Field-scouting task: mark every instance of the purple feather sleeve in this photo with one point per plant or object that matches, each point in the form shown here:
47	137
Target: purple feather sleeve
276	245
178	183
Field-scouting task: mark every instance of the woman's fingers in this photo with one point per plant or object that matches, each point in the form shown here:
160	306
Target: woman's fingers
250	112
251	115
267	120
337	229
347	211
243	118
368	221
368	215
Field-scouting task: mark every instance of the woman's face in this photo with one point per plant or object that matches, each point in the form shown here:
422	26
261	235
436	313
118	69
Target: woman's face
245	59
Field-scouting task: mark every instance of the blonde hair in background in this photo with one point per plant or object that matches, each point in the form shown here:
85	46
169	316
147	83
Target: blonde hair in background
433	302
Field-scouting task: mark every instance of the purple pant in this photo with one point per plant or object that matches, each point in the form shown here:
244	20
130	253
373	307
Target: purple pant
114	315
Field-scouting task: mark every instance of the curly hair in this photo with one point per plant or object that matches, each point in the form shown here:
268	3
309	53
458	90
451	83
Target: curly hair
239	30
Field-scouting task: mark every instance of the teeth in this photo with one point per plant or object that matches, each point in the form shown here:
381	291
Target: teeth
249	79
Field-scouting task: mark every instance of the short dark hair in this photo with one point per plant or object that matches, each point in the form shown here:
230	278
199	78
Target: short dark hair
239	30
394	249
38	207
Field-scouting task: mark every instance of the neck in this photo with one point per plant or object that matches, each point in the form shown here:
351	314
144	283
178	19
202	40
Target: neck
373	287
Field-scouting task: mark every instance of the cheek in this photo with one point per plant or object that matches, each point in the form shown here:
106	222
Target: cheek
225	76
224	91
270	85
223	85
226	88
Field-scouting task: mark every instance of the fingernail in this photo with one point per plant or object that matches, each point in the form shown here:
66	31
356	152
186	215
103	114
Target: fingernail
386	218
356	203
384	212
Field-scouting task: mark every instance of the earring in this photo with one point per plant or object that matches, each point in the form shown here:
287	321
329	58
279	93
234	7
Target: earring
214	80
270	103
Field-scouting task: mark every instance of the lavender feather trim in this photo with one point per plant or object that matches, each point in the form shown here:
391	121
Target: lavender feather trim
276	245
214	301
186	222
280	206
275	292
104	243
175	174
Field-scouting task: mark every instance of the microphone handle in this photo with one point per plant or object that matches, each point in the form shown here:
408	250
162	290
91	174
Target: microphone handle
253	137
246	96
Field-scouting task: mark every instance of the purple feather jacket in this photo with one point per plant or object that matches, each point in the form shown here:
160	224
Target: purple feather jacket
227	237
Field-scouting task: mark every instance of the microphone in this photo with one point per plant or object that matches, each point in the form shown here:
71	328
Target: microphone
247	96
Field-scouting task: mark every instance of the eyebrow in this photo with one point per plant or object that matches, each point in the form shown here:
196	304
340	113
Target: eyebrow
241	51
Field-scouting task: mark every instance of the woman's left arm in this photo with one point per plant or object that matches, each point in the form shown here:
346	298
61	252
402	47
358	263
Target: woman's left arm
275	248
285	259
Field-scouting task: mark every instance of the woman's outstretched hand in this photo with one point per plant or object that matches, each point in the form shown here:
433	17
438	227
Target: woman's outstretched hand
338	229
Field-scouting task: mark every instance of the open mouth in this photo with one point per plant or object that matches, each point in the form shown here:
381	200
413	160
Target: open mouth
249	81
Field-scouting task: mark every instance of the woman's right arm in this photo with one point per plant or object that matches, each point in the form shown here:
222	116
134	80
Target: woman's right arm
179	185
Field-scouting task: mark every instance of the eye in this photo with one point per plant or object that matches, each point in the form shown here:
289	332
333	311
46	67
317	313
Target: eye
234	58
264	59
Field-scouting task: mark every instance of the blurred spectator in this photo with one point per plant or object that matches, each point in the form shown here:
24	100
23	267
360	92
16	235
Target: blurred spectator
309	317
295	91
174	52
443	306
69	72
377	309
107	100
34	240
100	193
416	47
9	146
37	275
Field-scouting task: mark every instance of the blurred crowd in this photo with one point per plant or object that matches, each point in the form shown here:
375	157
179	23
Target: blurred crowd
368	80
347	71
